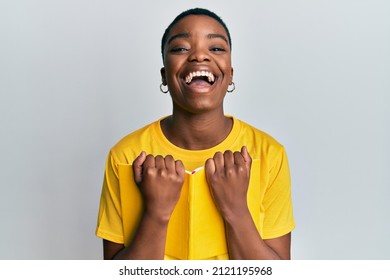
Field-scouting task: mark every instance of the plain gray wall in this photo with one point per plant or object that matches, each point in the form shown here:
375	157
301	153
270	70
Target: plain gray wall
76	76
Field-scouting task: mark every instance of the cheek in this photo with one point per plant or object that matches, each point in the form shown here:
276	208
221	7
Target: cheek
171	69
225	65
168	73
171	77
228	73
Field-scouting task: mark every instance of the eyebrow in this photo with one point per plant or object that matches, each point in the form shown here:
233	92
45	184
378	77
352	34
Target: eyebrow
188	35
211	36
180	35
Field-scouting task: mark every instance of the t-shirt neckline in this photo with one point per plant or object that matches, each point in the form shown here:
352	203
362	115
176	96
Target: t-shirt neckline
188	154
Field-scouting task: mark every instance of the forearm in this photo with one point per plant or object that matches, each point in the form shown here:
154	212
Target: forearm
149	241
245	242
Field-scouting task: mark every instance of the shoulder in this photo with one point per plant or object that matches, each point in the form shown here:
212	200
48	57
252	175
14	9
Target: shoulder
129	147
258	141
252	131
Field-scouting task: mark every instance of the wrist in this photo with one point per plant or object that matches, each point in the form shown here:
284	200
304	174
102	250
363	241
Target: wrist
235	217
157	217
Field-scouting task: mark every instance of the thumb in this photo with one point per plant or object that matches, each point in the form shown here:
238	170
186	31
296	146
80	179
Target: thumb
137	167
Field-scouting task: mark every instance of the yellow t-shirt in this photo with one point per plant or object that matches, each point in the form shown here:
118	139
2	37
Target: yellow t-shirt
196	229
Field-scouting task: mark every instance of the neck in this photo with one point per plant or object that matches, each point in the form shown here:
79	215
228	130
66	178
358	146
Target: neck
197	131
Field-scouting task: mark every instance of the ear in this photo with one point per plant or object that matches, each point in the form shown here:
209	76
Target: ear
231	76
163	77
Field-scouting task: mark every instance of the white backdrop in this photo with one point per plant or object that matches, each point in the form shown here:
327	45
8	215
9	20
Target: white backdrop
76	76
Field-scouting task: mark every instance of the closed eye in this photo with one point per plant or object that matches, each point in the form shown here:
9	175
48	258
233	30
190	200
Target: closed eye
179	49
217	49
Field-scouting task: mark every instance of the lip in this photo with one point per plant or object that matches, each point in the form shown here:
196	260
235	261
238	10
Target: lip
199	89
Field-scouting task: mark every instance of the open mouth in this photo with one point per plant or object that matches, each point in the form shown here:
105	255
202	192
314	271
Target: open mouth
200	77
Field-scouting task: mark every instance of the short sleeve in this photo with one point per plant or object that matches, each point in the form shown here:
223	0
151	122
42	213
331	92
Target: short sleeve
277	202
109	225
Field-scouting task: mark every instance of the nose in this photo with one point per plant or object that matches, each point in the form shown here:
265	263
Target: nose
199	55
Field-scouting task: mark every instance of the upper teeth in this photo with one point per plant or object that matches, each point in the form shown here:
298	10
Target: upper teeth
207	74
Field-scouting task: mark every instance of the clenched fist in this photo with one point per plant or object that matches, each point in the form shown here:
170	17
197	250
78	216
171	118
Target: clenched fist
228	177
160	181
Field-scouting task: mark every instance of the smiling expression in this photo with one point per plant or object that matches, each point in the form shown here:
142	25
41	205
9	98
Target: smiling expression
197	64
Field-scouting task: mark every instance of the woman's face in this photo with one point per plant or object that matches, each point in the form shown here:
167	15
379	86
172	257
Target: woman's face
197	65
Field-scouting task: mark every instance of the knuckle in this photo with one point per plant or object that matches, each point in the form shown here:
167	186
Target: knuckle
230	171
241	169
179	180
162	172
149	171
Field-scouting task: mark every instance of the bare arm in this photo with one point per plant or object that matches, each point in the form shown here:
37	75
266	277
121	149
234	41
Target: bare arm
228	176
160	181
148	243
245	242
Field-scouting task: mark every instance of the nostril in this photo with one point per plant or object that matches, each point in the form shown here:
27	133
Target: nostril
198	56
197	59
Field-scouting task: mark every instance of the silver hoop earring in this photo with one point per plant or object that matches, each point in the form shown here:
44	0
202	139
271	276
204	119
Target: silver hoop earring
233	87
162	89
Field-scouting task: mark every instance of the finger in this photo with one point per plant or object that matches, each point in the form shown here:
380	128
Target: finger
210	167
179	168
137	167
149	162
247	157
170	163
239	159
228	158
219	162
160	163
245	154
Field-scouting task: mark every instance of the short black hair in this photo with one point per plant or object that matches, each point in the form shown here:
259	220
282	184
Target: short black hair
195	11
